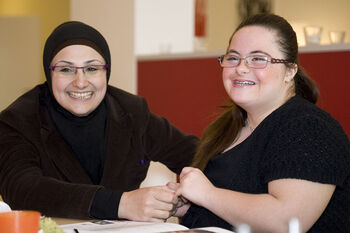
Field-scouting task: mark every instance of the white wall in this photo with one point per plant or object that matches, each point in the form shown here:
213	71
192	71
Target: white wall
330	15
20	59
115	20
164	26
223	18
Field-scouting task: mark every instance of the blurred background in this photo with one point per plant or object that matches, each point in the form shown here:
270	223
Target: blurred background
140	29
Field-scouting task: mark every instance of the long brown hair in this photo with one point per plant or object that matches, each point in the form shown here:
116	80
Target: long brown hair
224	130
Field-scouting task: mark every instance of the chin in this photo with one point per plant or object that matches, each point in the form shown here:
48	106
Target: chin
81	110
81	113
239	100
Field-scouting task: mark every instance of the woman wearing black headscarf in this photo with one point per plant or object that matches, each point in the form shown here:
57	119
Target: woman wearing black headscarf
76	147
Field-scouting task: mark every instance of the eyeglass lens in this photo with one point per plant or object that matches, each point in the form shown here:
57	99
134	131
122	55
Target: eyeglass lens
254	61
71	70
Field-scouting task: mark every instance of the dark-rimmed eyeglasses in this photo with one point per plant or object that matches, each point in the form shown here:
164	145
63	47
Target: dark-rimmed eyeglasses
67	70
257	61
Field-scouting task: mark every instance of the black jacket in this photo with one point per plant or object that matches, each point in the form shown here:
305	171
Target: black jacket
39	171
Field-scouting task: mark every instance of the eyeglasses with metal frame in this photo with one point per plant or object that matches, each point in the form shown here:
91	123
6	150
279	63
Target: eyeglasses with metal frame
256	61
68	70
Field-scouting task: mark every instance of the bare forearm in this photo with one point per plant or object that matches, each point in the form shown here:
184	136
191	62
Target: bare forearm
262	212
271	212
268	212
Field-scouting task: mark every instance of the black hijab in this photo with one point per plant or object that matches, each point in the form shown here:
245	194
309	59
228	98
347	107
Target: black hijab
70	33
86	135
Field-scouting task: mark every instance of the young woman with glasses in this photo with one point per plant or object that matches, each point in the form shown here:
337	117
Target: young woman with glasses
272	155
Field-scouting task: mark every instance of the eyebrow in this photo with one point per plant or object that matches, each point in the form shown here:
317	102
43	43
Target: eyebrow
63	61
93	60
86	62
252	52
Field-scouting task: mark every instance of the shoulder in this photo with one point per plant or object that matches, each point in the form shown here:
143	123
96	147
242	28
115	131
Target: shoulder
306	124
297	107
24	106
122	103
298	113
306	142
22	117
125	99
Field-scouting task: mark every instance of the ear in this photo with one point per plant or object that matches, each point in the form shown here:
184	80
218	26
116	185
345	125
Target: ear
290	73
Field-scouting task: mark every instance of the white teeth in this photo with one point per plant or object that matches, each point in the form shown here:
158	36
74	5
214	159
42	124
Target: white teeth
80	95
244	82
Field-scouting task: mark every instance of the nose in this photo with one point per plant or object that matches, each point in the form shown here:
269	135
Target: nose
80	80
242	68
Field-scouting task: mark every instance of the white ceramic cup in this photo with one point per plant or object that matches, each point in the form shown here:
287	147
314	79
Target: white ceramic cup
4	207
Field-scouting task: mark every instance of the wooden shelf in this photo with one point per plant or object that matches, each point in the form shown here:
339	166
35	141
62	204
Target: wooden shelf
324	48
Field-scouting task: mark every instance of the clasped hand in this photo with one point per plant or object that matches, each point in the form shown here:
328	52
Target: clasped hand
158	203
194	187
153	204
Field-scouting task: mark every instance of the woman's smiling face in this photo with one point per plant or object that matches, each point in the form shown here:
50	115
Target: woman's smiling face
267	87
82	92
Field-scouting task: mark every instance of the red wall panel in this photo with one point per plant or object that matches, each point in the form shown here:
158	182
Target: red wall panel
185	91
188	92
329	71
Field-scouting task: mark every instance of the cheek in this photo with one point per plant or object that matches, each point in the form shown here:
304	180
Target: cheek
227	79
103	91
267	75
58	90
57	85
226	74
103	85
100	83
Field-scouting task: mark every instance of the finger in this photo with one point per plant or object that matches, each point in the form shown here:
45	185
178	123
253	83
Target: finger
166	196
185	171
161	214
178	191
162	206
167	188
175	196
173	210
172	185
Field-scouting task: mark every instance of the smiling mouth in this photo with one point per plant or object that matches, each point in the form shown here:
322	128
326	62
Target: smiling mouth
243	83
80	95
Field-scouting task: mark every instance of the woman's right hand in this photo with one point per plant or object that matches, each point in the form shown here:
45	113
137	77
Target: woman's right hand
195	186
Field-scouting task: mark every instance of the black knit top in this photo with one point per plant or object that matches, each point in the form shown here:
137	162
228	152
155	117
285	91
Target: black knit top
298	140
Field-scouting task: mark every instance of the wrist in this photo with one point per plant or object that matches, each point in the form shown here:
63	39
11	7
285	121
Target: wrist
122	210
207	197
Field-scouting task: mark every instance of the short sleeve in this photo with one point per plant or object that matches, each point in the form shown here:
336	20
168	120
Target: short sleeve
313	148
